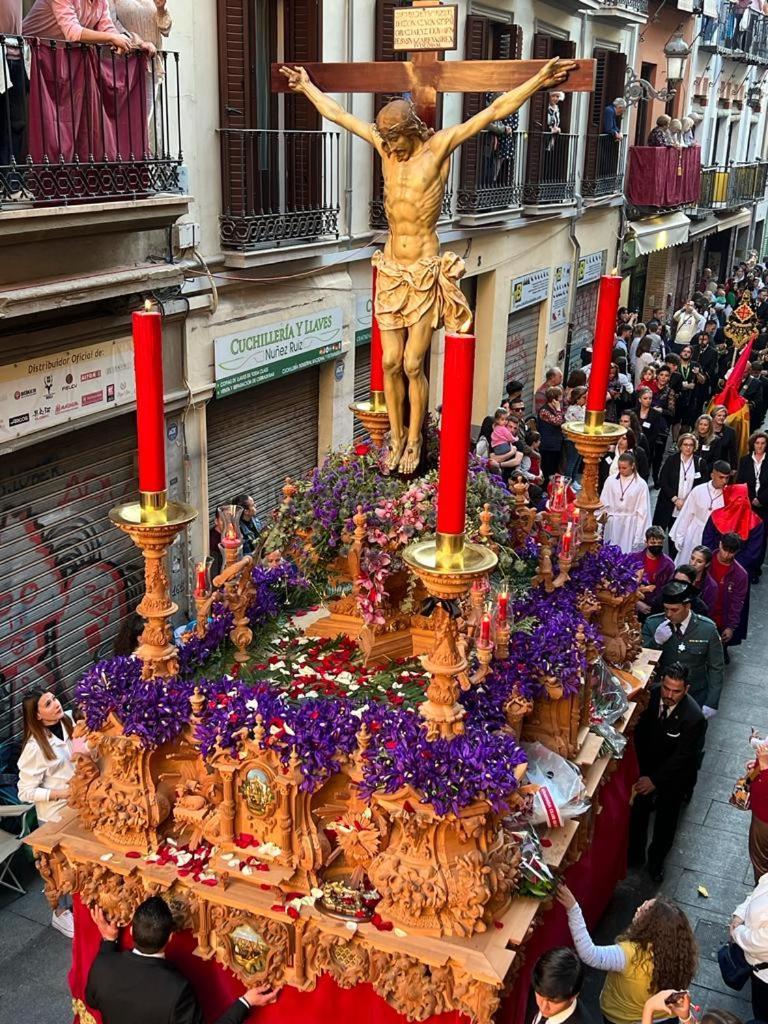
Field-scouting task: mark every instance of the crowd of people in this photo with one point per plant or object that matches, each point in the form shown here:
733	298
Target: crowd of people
701	546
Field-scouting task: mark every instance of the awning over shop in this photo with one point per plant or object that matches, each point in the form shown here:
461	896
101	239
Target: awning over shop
654	233
710	225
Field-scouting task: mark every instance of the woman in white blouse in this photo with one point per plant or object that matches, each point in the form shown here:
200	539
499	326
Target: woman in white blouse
45	769
749	930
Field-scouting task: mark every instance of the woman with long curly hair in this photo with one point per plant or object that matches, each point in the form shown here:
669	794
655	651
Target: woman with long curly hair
656	951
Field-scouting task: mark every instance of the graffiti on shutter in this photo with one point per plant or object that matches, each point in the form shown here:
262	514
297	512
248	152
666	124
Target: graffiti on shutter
522	345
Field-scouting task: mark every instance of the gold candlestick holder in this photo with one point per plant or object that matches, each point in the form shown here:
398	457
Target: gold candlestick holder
503	633
237	584
592	438
374	417
153	535
447	570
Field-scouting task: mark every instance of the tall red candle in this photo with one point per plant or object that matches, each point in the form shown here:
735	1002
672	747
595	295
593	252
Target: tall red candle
150	414
455	432
602	347
377	355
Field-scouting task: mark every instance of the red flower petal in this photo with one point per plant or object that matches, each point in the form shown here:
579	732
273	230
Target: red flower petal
546	842
498	924
133	854
292	913
210	881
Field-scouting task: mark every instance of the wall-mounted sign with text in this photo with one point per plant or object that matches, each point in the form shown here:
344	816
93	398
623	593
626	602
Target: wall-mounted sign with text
44	391
363	318
426	28
270	351
590	268
561	289
530	289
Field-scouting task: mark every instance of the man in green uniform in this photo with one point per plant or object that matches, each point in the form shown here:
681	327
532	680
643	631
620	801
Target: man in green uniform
690	639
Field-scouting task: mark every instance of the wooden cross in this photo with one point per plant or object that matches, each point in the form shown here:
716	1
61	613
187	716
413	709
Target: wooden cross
425	75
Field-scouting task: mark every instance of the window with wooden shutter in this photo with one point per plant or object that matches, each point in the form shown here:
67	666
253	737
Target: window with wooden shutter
384	49
303	24
235	97
610	68
537	116
479	186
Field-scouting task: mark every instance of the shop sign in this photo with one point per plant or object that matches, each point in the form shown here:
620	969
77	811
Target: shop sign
561	289
44	391
590	268
363	318
271	351
425	28
530	289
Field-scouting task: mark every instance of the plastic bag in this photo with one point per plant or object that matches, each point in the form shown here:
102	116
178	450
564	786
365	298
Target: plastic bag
614	742
536	879
562	794
609	699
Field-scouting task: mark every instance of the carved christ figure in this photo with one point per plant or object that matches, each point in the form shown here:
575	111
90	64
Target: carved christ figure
417	287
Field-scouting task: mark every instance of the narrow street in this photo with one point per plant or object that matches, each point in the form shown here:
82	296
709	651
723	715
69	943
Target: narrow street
711	844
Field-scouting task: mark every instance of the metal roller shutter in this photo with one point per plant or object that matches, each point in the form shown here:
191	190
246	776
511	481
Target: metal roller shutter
522	343
362	384
260	436
69	576
584	321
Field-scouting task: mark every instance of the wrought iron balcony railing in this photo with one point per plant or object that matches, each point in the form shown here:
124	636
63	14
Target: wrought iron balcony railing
723	188
736	33
550	173
278	187
88	125
637	6
492	173
605	161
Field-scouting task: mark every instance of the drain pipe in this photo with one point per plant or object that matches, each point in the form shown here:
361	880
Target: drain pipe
349	47
578	213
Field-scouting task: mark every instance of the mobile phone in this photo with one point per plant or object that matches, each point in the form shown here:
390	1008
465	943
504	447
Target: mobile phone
675	997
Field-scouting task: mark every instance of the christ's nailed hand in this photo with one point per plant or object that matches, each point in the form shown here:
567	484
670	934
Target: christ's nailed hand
297	77
556	71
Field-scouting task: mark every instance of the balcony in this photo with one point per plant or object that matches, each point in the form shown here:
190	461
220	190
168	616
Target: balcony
723	188
492	174
605	161
738	34
96	127
663	177
550	176
279	187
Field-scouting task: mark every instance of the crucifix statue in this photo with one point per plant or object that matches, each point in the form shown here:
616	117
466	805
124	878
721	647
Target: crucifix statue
417	286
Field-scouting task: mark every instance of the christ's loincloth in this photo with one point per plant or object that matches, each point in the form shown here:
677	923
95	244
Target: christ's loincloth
429	287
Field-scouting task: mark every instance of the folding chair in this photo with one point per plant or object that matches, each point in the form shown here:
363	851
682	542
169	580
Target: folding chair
9	844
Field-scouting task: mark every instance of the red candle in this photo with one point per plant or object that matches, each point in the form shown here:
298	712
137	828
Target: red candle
602	346
503	605
455	431
566	541
557	502
150	414
377	356
202	579
485	628
231	538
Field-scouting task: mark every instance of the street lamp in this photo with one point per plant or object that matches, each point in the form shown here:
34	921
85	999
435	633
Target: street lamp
676	53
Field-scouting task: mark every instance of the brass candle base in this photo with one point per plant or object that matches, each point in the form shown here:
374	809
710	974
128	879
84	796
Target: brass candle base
374	417
592	441
156	650
447	662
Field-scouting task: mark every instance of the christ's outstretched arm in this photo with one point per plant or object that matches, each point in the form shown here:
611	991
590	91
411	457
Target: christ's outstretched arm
299	81
553	73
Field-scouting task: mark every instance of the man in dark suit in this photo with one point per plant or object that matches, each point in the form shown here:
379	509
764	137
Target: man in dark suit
693	640
555	986
139	986
669	739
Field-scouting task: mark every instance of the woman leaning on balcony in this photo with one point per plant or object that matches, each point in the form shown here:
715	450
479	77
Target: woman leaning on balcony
77	21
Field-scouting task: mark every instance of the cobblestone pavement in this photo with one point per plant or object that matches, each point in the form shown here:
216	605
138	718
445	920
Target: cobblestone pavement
710	850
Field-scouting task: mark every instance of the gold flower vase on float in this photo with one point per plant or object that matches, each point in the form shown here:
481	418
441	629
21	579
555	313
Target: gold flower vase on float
592	438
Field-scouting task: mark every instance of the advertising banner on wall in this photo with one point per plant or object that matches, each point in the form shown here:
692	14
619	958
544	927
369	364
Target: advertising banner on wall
44	391
529	289
270	351
561	290
363	318
590	268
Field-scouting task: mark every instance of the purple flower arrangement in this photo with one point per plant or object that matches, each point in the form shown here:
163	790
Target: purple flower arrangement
608	568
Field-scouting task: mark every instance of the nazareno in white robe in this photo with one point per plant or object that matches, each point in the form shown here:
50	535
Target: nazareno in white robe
688	528
629	513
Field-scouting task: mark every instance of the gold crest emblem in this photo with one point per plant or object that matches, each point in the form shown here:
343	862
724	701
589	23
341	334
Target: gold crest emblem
258	793
249	950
